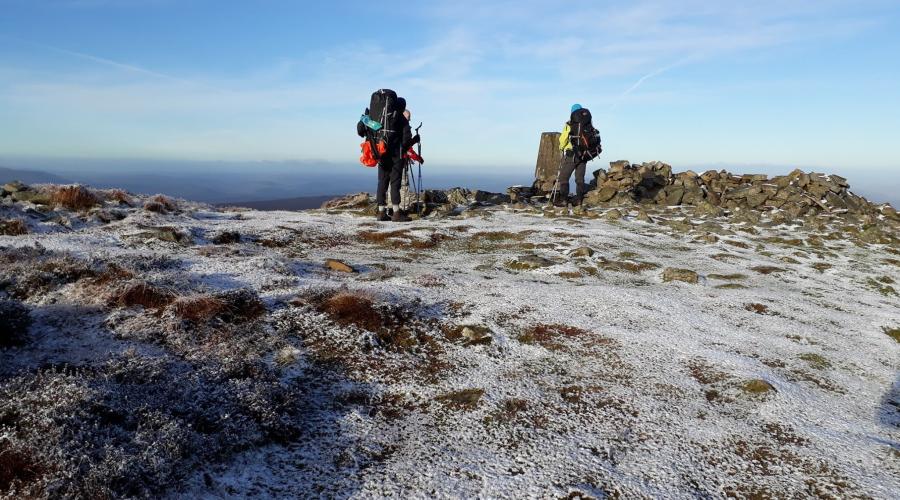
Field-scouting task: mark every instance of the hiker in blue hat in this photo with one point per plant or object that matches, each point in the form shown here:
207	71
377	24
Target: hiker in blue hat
579	144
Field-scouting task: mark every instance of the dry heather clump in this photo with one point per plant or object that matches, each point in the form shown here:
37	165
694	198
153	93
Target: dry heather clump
119	196
430	281
402	238
549	336
240	305
19	468
38	272
141	293
152	206
380	237
160	204
434	239
13	227
199	308
352	309
757	308
75	198
394	325
113	273
499	236
227	238
167	203
236	306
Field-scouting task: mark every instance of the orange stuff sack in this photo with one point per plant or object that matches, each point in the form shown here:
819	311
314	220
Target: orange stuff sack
367	157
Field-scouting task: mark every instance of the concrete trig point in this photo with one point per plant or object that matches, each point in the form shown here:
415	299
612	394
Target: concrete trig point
547	166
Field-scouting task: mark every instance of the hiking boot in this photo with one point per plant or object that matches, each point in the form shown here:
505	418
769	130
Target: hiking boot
383	216
400	216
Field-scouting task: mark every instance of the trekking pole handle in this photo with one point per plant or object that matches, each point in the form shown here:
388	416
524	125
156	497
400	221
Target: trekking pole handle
417	128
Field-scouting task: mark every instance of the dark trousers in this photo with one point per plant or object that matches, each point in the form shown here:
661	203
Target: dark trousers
390	170
569	165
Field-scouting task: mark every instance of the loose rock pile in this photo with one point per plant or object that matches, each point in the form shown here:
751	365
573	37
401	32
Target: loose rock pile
712	193
796	194
16	191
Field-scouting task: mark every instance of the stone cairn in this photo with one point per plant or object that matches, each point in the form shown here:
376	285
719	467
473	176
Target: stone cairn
653	183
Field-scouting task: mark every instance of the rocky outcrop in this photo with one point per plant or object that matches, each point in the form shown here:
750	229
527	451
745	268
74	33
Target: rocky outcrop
744	197
714	192
358	200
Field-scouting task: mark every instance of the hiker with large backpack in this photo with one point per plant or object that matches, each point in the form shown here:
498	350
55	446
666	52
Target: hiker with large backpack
387	136
579	144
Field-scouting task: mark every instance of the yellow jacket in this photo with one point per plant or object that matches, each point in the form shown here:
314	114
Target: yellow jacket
564	144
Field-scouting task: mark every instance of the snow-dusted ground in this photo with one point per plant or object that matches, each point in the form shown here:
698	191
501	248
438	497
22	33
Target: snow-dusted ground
629	386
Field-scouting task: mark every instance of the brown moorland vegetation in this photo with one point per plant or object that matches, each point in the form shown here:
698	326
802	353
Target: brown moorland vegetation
13	227
75	198
141	293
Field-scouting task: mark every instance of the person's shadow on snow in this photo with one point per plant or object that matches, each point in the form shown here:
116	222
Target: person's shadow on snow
889	411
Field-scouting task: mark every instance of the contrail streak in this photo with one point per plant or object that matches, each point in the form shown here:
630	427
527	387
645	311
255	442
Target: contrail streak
114	64
643	79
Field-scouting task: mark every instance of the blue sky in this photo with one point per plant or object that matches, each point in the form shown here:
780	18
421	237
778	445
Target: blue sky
780	83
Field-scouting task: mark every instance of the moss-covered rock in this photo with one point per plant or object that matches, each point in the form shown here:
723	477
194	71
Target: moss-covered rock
528	262
758	386
582	252
339	266
893	333
816	361
685	275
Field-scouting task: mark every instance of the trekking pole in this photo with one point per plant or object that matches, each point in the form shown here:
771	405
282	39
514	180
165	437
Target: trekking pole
419	208
411	181
555	190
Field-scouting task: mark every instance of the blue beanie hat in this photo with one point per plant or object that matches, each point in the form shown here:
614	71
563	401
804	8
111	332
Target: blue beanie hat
575	107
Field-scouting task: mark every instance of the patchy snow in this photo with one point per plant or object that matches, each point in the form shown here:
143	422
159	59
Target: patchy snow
638	389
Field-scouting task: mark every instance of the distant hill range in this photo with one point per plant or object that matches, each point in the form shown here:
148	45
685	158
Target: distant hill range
301	203
30	176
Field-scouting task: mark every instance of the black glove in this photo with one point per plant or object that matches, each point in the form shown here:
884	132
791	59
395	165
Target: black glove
415	139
